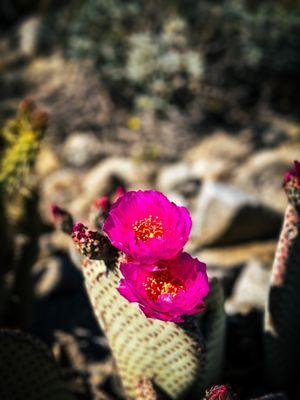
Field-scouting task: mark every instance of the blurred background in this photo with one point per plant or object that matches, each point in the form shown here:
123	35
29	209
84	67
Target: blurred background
199	99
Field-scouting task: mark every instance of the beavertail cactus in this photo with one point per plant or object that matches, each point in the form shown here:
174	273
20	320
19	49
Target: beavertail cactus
282	317
27	369
150	349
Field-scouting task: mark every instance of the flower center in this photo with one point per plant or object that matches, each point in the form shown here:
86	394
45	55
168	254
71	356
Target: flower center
161	282
147	228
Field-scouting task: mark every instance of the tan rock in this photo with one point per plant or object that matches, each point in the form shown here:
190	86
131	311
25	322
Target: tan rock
47	162
262	174
225	215
61	188
251	289
229	256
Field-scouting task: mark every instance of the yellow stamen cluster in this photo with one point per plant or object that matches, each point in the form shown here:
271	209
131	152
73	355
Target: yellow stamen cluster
161	282
147	228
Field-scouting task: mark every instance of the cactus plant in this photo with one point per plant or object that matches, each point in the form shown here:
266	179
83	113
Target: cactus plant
22	136
213	326
282	316
178	360
163	351
27	369
18	208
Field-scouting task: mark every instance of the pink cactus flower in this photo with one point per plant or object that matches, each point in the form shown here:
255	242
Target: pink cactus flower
293	175
147	227
167	290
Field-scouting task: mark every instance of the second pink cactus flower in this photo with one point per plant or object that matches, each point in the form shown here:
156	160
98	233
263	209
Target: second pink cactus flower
167	290
147	227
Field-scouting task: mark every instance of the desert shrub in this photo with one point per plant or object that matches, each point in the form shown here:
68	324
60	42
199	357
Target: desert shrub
162	65
98	29
153	53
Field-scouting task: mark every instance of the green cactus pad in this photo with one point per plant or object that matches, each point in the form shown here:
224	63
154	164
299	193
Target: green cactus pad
169	354
27	370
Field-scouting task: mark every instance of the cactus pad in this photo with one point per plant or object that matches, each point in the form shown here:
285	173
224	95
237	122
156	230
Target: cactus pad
167	353
282	318
27	370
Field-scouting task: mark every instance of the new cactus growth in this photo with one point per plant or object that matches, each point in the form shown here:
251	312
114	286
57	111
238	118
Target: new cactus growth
22	136
219	392
282	317
27	369
179	359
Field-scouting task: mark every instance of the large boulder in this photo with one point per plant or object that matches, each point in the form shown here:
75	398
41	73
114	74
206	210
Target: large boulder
225	215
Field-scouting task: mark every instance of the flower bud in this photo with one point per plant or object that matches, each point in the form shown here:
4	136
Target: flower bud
219	392
291	184
62	218
92	244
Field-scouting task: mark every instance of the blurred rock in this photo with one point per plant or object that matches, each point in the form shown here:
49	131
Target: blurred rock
178	177
163	140
72	93
172	175
251	288
82	348
28	33
53	242
60	187
82	149
225	215
177	198
86	361
218	154
262	174
230	256
47	162
60	301
55	275
227	263
114	170
105	177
